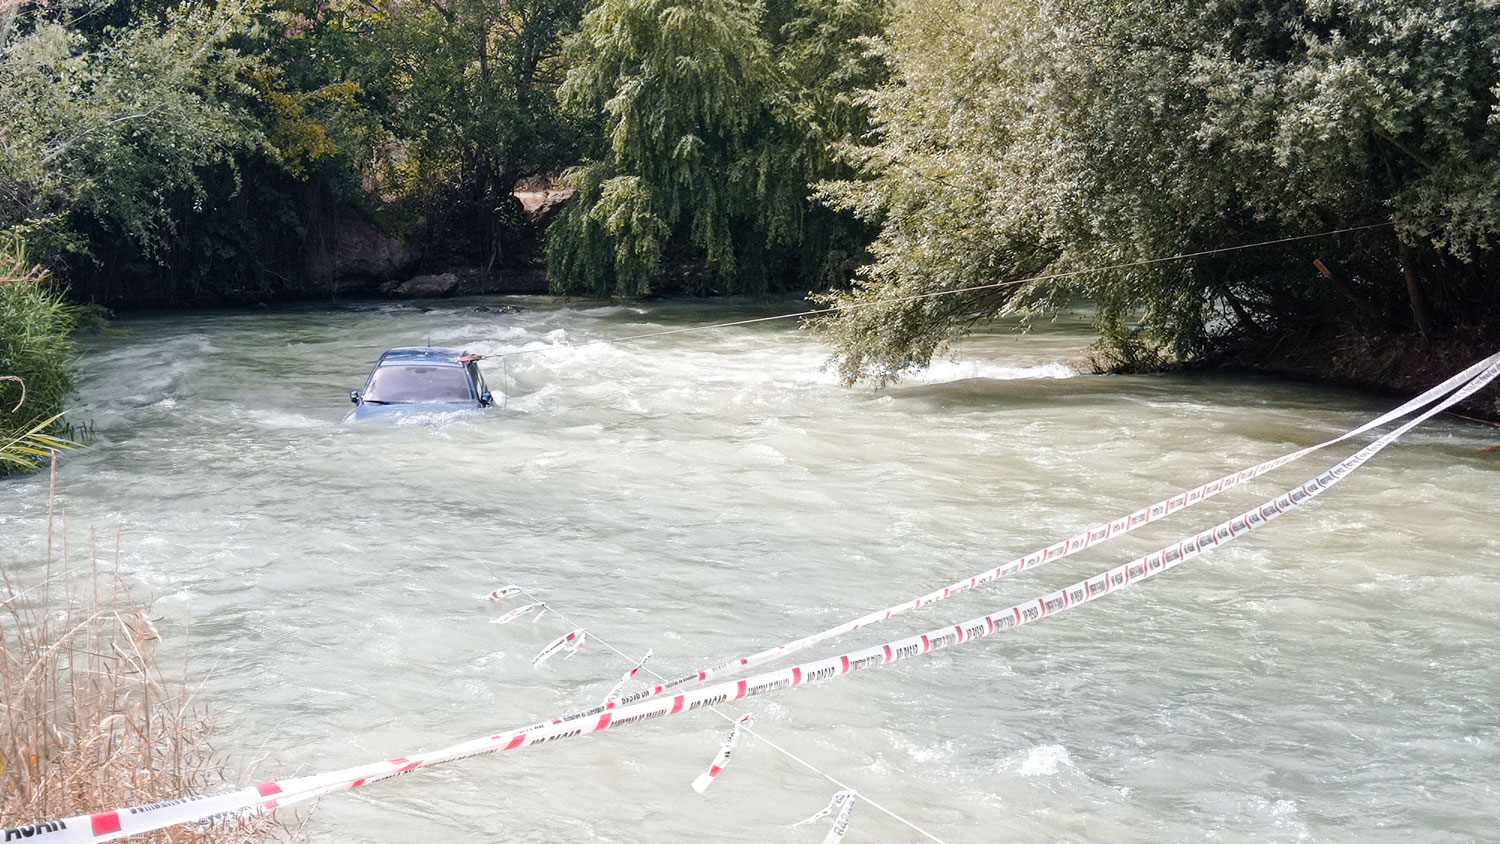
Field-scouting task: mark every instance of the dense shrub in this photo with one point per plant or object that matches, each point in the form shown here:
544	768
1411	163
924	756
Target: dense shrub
36	357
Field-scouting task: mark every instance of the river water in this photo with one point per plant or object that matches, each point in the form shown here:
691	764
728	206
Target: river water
1331	677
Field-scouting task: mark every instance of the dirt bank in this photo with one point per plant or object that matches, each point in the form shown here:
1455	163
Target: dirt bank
1396	364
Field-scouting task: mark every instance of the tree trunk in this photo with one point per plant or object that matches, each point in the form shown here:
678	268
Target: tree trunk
1419	309
1240	310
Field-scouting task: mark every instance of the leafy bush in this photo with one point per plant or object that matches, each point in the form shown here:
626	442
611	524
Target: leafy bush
36	355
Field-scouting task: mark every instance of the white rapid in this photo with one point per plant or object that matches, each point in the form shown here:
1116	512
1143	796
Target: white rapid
1333	677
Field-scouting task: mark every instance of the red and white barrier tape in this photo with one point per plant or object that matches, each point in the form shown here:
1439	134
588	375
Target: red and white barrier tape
843	804
520	611
721	758
612	699
610	702
571	642
1090	537
108	826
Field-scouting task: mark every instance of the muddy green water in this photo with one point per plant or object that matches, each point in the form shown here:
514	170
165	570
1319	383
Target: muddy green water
1332	677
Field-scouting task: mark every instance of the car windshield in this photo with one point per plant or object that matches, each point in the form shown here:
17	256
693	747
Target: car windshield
401	383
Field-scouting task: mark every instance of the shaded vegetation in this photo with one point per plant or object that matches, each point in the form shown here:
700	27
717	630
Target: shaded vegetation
121	140
462	93
1019	139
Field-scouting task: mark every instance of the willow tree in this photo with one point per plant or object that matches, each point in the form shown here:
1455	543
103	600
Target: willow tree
1020	139
717	117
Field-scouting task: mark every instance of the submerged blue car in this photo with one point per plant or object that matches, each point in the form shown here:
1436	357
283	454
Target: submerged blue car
421	379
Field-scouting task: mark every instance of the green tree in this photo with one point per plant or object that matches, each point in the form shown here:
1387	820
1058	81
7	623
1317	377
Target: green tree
718	115
1020	138
466	93
103	129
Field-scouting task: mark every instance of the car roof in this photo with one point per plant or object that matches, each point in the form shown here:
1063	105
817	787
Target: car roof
422	354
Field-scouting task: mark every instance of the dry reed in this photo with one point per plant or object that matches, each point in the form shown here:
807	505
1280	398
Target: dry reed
89	720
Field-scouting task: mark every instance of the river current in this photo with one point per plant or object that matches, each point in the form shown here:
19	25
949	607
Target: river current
1334	676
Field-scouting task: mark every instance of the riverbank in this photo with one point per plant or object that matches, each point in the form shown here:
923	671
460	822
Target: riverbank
1392	364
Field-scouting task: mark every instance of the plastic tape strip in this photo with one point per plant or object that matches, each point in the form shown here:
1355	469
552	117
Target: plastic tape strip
721	758
572	642
843	803
612	699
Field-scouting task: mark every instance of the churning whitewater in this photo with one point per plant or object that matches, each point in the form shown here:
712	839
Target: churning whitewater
713	493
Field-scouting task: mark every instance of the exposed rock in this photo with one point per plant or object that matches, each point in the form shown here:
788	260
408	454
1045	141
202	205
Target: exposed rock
425	287
543	206
352	255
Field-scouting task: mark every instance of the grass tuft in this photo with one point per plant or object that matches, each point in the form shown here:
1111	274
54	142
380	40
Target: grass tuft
36	361
88	719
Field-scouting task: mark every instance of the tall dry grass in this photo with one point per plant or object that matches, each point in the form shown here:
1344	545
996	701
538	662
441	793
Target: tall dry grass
90	718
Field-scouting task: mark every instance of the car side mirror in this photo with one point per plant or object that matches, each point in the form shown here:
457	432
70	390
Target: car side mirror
354	396
486	399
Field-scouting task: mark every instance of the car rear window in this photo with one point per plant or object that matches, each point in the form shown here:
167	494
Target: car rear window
402	383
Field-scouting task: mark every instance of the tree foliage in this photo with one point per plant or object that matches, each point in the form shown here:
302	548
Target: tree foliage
717	116
103	129
192	149
1025	152
466	93
1021	138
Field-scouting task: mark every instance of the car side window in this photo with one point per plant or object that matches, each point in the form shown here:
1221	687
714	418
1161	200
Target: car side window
479	388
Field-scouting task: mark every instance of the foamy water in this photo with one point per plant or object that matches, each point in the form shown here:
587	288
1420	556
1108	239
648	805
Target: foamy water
1331	677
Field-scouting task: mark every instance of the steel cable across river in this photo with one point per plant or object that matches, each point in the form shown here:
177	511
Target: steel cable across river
713	493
